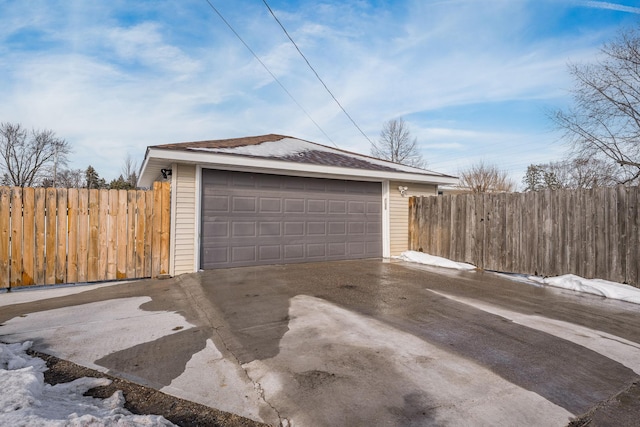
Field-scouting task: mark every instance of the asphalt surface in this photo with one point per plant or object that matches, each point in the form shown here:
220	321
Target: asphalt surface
350	343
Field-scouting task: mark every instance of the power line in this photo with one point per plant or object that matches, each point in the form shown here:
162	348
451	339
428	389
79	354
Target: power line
269	71
315	72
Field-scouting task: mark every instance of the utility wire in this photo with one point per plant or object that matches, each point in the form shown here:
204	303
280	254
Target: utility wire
315	72
269	71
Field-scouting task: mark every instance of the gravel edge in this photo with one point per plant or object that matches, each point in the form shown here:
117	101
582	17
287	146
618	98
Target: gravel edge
143	400
621	409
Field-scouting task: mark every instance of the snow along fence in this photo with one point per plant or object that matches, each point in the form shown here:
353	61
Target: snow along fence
58	235
591	233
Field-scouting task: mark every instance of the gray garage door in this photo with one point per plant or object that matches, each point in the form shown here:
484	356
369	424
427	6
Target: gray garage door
254	219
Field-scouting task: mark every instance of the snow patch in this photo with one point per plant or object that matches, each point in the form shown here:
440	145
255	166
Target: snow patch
27	401
281	148
436	261
600	287
292	146
571	282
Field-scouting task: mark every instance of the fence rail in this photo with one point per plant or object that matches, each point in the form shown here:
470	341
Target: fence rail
592	233
56	235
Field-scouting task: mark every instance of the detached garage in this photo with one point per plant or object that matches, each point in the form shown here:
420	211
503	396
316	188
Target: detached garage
275	199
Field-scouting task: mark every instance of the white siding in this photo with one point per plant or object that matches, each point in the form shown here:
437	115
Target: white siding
183	260
399	212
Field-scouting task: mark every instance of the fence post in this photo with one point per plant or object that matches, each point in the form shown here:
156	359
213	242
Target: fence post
5	210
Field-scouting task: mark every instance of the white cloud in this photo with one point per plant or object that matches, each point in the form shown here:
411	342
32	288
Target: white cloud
144	43
611	6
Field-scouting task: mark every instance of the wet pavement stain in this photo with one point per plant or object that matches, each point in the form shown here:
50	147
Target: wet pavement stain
162	360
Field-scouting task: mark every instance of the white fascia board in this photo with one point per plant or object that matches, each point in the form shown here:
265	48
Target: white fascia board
283	167
143	169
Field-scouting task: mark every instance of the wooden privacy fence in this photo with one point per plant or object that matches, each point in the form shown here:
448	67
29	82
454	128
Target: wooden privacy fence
57	235
591	233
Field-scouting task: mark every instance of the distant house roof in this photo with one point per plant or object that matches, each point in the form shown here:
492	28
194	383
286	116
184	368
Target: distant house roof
277	154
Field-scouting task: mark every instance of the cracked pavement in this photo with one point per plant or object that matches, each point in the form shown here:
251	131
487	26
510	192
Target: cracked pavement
346	343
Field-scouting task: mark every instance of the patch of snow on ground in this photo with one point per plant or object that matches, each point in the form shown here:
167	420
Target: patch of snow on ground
571	282
436	261
27	401
600	287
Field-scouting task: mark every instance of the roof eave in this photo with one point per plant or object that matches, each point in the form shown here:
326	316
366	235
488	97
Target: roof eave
166	157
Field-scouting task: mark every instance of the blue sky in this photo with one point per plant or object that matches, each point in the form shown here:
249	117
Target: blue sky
474	79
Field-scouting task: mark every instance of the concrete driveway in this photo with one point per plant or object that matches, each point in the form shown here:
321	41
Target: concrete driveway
346	343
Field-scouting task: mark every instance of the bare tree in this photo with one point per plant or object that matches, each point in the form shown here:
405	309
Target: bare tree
130	171
397	145
483	178
573	173
71	178
28	157
604	121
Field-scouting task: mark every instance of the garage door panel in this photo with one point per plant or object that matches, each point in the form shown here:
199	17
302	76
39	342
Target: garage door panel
216	229
315	250
217	255
316	206
356	228
243	254
356	207
243	229
357	248
338	249
372	229
243	180
293	206
270	229
270	205
269	253
250	219
294	228
218	203
337	207
374	208
316	228
338	228
244	204
293	252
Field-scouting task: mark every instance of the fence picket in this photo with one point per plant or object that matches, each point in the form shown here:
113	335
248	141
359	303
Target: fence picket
121	233
16	237
50	236
61	244
5	230
131	233
83	234
40	230
72	236
28	236
93	253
